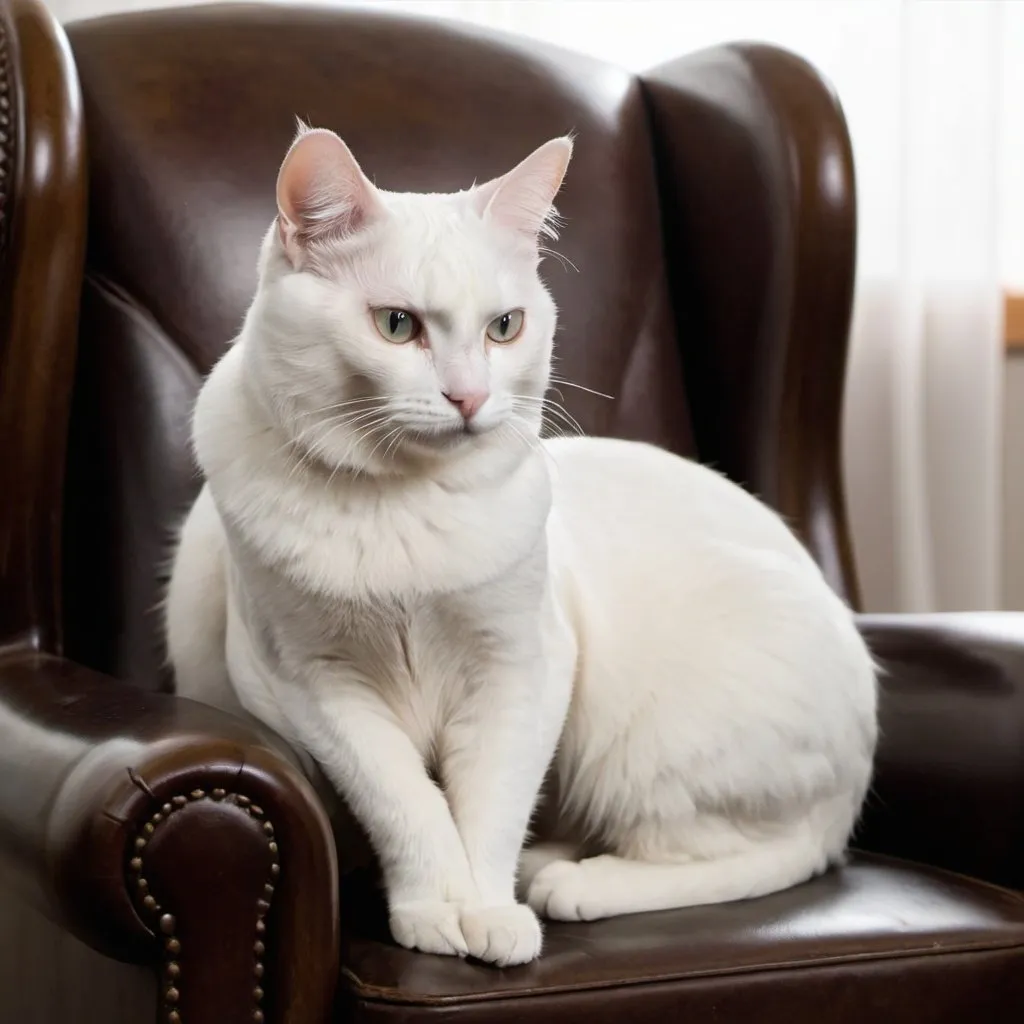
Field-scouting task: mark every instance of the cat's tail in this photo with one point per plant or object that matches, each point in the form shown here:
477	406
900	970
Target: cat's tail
608	886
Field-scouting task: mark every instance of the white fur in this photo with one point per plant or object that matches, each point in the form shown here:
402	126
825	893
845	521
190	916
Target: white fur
412	596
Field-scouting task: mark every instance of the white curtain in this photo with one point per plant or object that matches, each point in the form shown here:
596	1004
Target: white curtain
934	95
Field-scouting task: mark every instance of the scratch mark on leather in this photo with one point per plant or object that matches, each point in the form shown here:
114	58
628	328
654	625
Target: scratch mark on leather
140	783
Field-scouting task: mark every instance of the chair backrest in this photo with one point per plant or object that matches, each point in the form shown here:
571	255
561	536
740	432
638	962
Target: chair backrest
188	114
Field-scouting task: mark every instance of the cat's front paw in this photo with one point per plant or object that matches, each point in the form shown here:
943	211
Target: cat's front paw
430	926
563	891
503	936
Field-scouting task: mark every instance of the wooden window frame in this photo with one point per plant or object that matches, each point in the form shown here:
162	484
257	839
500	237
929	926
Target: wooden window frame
1013	322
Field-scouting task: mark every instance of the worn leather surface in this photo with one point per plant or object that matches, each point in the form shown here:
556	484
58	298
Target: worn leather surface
857	935
949	782
90	766
984	986
130	481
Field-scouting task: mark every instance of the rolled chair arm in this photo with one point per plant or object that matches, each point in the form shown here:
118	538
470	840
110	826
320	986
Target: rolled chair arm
162	831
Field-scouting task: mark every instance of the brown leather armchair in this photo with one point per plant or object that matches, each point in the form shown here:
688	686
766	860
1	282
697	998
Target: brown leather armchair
710	212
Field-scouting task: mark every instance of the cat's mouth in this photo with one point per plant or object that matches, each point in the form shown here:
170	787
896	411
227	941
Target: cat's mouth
447	435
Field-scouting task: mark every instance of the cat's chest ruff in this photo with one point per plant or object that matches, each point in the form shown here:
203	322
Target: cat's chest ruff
365	540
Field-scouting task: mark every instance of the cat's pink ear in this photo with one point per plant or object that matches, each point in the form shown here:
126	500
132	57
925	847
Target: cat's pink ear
522	199
321	192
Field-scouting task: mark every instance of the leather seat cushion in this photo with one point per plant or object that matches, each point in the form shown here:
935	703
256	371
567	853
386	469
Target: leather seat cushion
879	940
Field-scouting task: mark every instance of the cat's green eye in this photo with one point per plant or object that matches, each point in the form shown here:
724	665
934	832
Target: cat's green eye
506	327
396	325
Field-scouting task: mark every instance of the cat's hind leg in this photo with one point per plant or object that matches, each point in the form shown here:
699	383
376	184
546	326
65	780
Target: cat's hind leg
611	885
534	859
711	860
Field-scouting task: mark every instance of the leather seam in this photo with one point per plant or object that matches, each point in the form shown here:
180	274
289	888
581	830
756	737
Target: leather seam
379	995
165	923
118	296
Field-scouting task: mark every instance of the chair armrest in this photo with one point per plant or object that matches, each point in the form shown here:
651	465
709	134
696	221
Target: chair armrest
949	784
159	830
759	210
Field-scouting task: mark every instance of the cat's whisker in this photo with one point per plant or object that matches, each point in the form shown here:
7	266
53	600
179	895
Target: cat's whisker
369	458
563	413
569	420
557	414
567	263
366	430
392	447
379	400
318	448
298	440
516	433
550	411
580	387
354	419
532	441
360	437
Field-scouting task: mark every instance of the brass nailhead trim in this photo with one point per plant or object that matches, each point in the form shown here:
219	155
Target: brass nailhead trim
8	148
166	924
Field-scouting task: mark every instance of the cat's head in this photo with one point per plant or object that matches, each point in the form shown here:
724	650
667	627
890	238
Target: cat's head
391	327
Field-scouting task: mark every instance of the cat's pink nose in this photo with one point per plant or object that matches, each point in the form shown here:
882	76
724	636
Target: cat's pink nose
468	403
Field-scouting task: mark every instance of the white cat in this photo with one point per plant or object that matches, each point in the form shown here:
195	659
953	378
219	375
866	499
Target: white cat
390	568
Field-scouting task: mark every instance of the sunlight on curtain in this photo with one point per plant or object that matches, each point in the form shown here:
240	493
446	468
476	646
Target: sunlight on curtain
934	96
